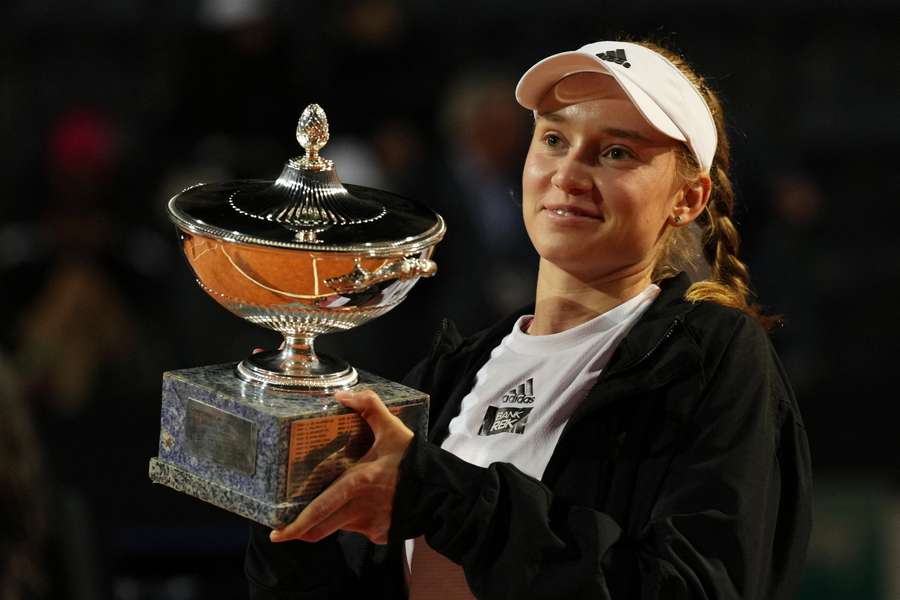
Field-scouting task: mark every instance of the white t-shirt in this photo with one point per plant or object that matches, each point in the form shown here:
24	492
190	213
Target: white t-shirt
524	394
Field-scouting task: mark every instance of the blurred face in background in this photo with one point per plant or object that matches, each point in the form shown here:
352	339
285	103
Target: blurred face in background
599	182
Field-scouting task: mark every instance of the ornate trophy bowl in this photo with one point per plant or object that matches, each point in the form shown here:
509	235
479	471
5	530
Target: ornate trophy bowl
304	255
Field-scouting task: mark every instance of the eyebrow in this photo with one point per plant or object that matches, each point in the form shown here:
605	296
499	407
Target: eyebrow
556	118
629	134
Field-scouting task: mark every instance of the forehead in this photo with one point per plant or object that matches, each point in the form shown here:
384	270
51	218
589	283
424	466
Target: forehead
596	100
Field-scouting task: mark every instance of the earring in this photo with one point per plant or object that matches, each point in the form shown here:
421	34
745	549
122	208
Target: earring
676	219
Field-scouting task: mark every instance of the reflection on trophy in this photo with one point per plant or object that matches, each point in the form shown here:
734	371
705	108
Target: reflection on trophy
302	255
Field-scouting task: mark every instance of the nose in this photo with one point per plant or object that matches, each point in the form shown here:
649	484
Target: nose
572	176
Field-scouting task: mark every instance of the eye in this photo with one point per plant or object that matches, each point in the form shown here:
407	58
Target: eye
552	140
617	153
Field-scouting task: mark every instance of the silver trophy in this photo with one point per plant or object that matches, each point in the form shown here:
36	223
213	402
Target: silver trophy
302	255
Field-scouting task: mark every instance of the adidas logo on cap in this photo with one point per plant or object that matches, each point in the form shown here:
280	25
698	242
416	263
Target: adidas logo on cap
617	56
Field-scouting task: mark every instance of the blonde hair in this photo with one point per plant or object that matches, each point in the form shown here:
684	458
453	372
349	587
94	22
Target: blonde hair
709	247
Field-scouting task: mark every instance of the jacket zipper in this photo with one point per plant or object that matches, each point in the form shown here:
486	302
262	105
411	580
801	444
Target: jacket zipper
551	465
662	340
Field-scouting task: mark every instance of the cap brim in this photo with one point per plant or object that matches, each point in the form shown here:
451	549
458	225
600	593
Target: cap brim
540	79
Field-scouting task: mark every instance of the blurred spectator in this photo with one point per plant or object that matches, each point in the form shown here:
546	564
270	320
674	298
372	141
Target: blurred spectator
486	259
793	275
404	156
80	301
46	545
23	510
356	161
79	347
77	296
234	91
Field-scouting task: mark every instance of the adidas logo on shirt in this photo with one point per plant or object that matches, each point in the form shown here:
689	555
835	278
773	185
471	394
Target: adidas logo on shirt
616	56
521	394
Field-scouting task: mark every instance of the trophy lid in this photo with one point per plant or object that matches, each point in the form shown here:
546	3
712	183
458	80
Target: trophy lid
307	207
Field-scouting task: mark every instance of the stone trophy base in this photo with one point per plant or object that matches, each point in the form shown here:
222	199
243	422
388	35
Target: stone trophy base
260	452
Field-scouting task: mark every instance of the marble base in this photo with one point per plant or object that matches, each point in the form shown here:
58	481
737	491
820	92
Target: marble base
260	452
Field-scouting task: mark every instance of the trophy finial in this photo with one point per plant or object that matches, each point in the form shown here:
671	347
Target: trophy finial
312	133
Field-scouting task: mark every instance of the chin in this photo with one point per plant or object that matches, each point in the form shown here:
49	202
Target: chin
568	260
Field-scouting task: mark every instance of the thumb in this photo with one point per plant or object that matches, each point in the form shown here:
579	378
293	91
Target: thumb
369	406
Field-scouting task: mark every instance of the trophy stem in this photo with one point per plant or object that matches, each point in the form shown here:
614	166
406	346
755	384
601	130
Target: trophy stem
298	354
297	367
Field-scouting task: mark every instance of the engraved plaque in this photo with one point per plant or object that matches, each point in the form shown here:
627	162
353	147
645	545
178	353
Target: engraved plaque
221	437
321	449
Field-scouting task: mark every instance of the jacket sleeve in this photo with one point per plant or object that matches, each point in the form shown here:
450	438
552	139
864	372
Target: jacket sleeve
344	565
728	521
294	570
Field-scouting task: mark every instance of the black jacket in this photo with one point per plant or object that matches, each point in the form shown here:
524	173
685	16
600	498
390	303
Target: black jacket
685	473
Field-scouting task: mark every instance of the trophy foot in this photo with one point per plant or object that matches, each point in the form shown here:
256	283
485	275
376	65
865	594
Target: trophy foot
322	374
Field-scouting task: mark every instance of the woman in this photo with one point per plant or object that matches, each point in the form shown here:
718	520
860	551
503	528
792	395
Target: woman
634	437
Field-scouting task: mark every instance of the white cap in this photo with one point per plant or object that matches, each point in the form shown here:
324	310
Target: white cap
658	89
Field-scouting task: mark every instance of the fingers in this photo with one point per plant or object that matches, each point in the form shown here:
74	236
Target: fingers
257	350
321	508
352	503
365	402
370	408
354	516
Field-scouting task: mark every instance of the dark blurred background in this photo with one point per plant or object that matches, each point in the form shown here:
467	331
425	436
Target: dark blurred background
109	108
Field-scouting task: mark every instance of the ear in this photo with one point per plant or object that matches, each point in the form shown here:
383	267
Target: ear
691	200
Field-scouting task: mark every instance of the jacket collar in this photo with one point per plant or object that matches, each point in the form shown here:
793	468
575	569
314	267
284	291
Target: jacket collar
655	325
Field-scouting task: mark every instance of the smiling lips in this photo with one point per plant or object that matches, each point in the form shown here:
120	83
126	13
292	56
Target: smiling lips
568	211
